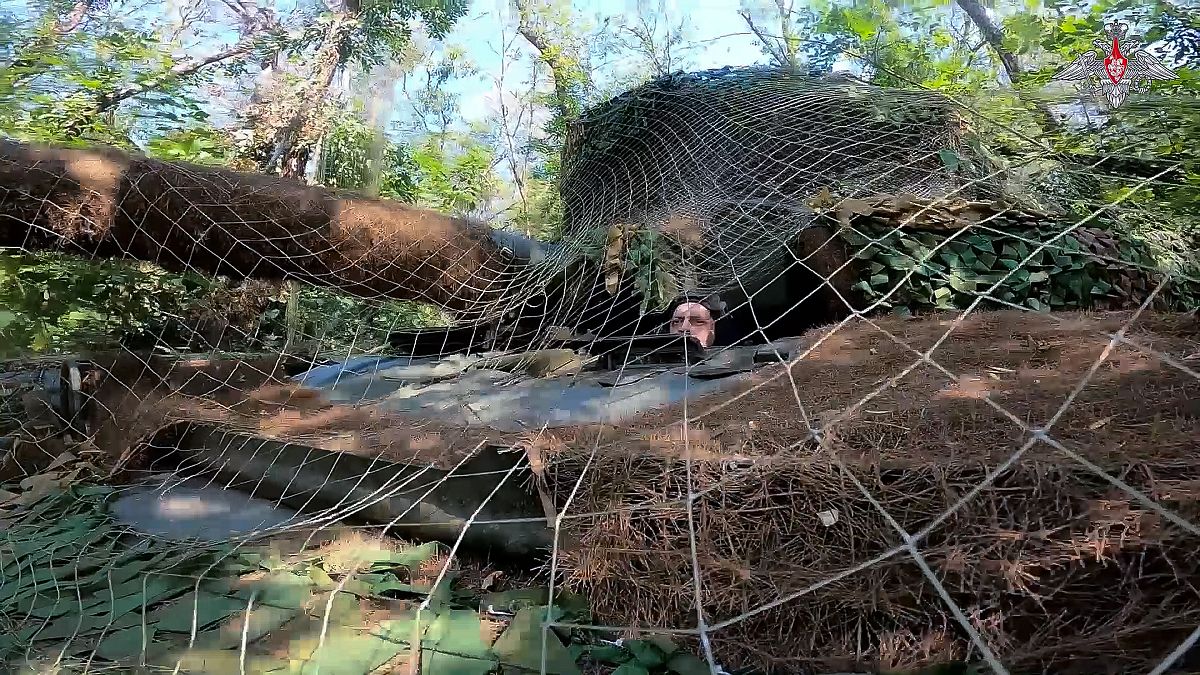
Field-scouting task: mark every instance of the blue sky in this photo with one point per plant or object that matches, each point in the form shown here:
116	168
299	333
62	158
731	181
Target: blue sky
716	34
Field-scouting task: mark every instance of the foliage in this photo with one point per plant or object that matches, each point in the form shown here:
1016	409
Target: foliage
652	655
900	48
454	177
51	89
54	81
384	28
646	253
349	152
538	211
336	322
435	106
59	303
931	271
197	143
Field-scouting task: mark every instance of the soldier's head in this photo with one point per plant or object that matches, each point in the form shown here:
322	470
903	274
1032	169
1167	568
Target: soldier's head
696	317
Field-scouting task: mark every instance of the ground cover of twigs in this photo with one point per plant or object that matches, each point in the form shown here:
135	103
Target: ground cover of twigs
1042	543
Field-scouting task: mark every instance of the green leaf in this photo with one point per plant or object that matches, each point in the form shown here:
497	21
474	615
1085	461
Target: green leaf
684	663
126	644
410	558
665	644
203	609
1038	277
441	663
521	645
457	631
646	653
982	243
157	588
950	258
949	159
961	284
853	238
515	599
345	652
900	263
84	626
609	654
957	246
631	668
321	579
263	620
285	590
985	262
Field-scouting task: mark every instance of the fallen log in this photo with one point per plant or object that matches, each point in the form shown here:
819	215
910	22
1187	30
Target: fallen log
108	204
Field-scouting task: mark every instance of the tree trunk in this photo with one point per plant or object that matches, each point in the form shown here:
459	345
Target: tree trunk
563	69
106	204
994	37
293	161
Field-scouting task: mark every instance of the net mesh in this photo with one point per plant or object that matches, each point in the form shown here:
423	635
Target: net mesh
553	482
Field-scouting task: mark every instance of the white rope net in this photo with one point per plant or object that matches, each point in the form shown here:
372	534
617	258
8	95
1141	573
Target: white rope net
555	483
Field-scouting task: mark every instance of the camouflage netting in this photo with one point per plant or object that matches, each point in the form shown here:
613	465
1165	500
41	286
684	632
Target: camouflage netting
1015	488
1044	544
1052	560
719	173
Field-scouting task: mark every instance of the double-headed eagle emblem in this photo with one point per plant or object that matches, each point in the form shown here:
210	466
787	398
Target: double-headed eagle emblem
1117	67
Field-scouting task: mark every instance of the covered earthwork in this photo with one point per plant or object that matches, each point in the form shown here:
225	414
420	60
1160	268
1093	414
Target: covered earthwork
892	493
786	498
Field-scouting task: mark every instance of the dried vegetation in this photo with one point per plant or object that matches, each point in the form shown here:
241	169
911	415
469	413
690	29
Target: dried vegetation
797	535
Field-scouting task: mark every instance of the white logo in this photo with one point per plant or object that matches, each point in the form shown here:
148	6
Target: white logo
1117	67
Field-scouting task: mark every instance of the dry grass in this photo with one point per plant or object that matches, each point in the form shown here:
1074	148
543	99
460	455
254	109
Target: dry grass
1053	565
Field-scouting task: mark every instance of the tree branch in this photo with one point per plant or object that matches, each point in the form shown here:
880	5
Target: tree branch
994	37
73	19
180	70
789	42
768	42
328	61
551	56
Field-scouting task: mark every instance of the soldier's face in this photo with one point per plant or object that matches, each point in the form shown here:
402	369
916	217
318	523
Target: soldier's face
694	319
